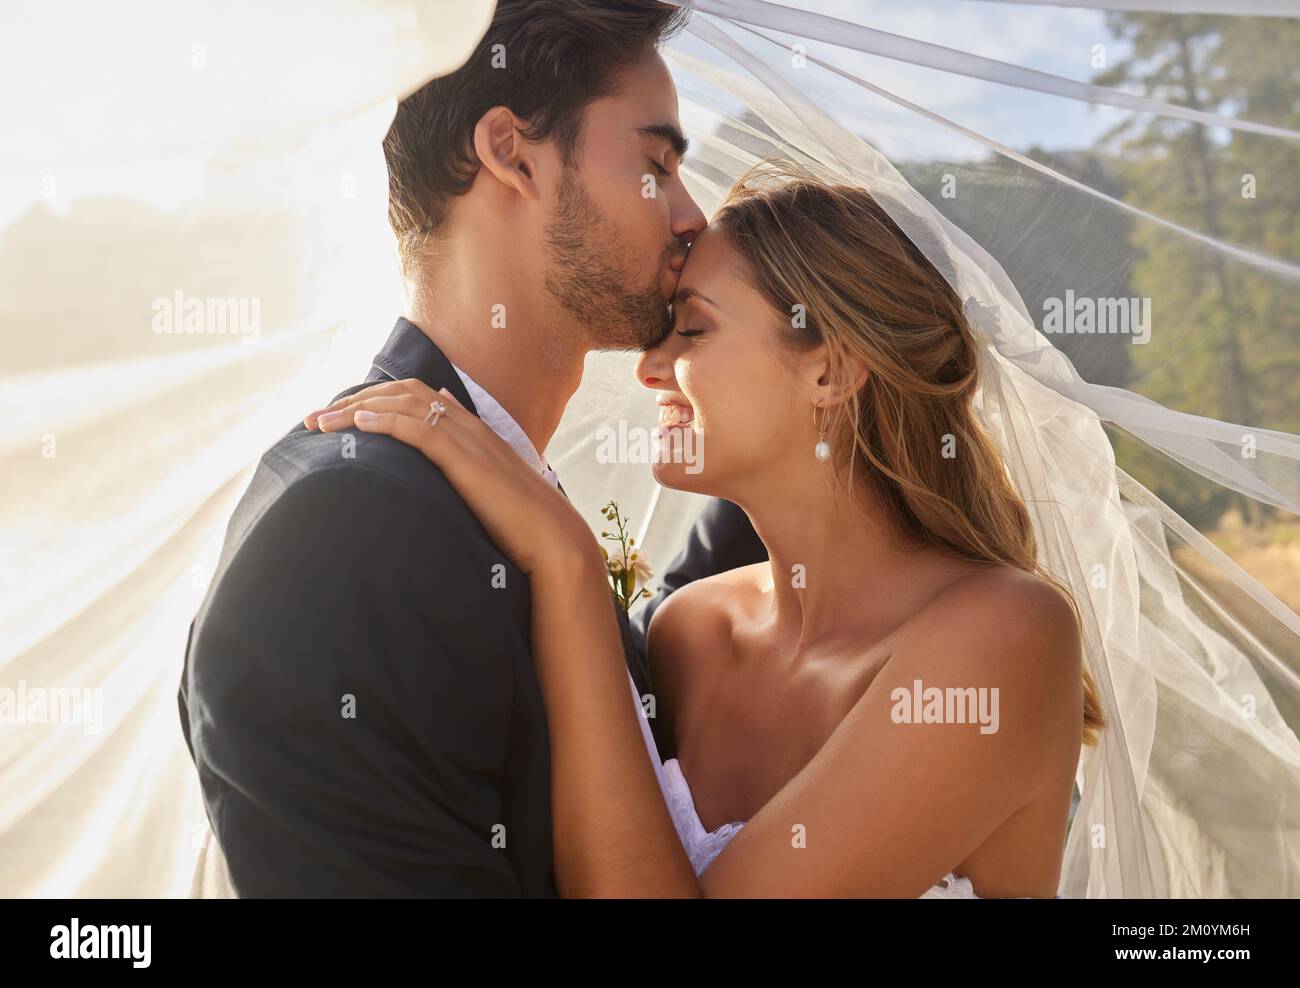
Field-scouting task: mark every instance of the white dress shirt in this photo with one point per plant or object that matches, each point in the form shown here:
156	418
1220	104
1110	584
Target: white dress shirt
503	424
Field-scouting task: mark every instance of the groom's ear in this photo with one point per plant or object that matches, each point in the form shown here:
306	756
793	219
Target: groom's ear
503	151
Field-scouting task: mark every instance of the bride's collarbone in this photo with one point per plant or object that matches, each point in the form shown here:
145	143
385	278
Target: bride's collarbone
750	711
743	734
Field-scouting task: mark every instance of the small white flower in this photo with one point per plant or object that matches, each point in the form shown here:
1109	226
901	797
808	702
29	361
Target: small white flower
641	569
628	572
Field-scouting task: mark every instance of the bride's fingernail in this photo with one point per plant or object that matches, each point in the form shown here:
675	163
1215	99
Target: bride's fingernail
329	418
365	416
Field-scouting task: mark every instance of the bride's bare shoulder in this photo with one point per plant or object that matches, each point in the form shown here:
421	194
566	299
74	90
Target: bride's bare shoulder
998	621
711	605
996	595
697	620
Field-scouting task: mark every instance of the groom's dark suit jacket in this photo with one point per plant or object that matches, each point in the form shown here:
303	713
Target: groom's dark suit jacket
359	697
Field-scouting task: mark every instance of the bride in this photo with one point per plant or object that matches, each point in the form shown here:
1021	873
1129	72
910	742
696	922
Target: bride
893	704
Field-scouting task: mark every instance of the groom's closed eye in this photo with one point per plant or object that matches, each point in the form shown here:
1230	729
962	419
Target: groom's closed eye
674	144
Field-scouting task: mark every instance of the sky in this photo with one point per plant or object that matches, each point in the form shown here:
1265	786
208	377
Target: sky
1060	41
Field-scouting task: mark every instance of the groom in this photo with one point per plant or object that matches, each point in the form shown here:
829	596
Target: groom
358	695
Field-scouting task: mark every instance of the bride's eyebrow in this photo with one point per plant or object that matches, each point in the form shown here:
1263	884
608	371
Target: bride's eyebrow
684	295
670	134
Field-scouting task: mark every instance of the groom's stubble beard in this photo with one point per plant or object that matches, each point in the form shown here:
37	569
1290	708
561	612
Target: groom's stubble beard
585	278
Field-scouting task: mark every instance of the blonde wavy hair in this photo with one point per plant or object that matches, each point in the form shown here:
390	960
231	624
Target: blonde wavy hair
871	295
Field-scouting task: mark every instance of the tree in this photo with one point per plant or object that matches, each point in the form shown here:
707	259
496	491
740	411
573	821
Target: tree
1225	339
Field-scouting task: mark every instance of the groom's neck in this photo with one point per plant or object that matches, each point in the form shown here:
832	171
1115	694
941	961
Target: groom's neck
487	323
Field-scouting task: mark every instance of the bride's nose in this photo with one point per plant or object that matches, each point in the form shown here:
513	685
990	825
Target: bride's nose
654	369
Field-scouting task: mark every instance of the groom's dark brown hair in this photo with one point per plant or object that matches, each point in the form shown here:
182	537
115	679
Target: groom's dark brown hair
558	55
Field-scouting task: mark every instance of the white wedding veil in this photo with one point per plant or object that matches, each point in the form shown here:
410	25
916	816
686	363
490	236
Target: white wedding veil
126	440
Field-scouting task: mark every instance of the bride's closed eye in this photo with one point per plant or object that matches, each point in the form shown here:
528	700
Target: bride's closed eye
692	324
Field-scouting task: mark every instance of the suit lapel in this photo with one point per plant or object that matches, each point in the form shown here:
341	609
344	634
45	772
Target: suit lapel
409	353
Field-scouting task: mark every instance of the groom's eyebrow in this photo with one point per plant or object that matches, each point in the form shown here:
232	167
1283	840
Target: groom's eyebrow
669	133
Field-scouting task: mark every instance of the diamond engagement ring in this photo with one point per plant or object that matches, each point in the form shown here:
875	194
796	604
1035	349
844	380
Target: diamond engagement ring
437	410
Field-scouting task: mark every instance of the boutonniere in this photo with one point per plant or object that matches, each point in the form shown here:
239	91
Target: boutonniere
629	572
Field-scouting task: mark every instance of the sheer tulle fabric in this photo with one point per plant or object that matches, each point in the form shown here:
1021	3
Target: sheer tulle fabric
124	447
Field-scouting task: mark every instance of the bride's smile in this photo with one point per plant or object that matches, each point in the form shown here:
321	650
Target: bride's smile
675	413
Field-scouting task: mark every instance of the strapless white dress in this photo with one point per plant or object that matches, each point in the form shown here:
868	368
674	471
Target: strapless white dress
702	846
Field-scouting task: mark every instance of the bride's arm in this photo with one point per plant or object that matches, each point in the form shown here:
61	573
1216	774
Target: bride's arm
613	835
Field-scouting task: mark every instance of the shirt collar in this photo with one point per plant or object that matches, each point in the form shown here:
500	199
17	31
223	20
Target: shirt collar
503	424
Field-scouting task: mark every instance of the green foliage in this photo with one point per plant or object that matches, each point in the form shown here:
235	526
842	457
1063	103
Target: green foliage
1225	341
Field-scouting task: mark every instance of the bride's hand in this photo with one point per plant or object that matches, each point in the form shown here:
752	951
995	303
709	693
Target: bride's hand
528	518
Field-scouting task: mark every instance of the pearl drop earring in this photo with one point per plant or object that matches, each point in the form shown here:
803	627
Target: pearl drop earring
823	449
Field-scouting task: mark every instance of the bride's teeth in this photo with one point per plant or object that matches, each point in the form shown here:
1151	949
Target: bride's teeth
675	415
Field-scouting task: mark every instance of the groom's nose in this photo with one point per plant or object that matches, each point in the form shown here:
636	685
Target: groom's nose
686	217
